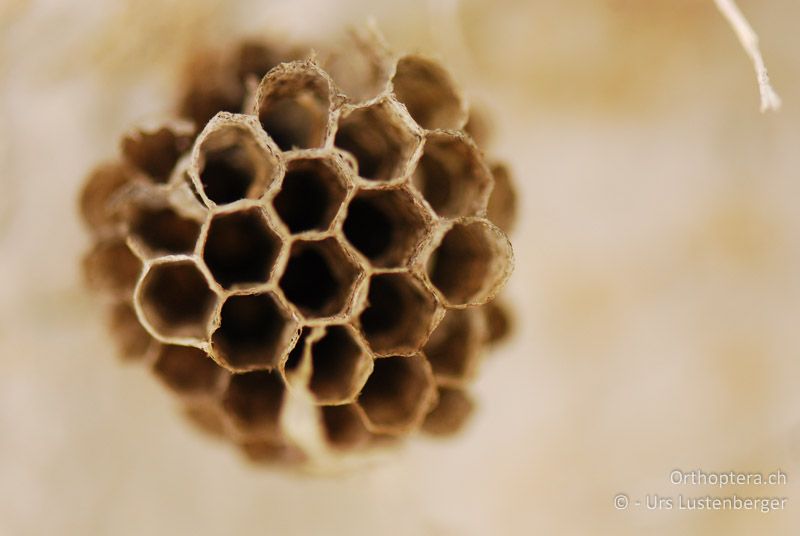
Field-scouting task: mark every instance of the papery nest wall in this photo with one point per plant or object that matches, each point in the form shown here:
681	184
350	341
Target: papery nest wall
285	241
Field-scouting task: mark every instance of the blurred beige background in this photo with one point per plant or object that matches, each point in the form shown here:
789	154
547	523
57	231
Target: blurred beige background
657	289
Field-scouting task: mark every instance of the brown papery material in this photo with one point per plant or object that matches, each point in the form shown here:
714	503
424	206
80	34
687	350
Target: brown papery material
310	271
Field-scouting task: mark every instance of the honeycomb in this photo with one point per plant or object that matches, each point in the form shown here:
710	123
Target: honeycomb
307	254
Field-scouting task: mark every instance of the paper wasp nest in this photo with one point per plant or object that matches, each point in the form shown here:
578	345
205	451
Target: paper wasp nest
311	267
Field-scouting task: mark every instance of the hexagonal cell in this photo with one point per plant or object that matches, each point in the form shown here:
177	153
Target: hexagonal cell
386	226
344	429
176	299
254	332
498	321
234	160
212	85
377	137
502	207
471	262
452	176
399	316
319	277
429	93
254	400
454	347
240	247
398	393
293	104
102	185
450	414
340	366
112	268
155	150
132	340
163	230
311	194
186	370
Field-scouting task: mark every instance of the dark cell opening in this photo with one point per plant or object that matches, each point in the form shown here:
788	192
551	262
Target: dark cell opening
465	265
380	146
240	248
177	300
335	360
398	316
343	427
385	226
187	370
227	174
318	278
451	349
252	331
155	153
163	229
428	92
368	227
310	196
387	307
291	124
451	177
394	394
255	399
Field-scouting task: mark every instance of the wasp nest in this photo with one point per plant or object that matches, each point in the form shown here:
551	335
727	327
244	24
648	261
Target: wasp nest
310	268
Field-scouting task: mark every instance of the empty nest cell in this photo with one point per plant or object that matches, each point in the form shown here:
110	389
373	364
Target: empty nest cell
377	137
429	93
452	176
454	346
111	267
254	332
471	262
232	163
450	413
399	314
311	194
186	370
319	277
163	230
176	300
240	247
340	366
293	104
344	429
397	394
155	152
254	400
386	226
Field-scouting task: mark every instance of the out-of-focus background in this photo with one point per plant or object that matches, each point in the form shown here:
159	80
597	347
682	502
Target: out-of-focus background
657	289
